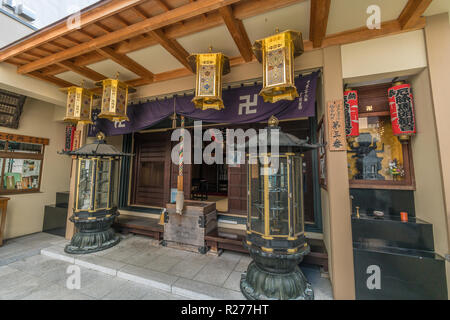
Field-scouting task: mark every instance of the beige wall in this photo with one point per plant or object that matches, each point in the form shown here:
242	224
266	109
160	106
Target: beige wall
339	211
395	53
12	30
26	212
30	87
429	194
437	35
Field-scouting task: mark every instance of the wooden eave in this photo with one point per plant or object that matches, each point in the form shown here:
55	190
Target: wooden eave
111	29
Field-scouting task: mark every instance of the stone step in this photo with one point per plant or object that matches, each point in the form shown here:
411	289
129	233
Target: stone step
62	199
162	281
391	232
386	273
55	217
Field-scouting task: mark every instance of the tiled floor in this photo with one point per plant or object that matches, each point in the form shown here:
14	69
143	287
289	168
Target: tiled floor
138	266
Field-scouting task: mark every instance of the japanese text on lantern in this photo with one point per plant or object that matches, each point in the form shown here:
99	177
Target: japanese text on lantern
336	126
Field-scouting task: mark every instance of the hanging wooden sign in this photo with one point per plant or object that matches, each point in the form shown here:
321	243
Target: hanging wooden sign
336	126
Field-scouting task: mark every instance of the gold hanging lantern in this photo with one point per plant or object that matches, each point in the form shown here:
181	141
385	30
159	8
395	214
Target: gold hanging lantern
209	69
79	105
114	99
277	54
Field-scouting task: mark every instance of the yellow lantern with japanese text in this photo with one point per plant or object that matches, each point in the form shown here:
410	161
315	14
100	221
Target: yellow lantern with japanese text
79	105
277	54
209	69
114	100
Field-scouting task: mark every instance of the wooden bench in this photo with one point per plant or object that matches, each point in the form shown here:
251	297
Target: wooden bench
228	239
232	239
139	225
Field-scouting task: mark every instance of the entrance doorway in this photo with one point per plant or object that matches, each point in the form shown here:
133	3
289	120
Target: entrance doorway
154	177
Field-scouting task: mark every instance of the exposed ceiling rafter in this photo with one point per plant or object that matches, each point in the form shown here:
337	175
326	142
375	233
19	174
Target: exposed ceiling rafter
412	12
320	10
238	32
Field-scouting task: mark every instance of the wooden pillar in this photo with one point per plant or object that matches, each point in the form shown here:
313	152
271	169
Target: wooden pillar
437	35
70	227
339	229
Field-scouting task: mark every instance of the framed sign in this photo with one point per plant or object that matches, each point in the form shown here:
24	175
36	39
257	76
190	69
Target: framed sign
336	126
11	106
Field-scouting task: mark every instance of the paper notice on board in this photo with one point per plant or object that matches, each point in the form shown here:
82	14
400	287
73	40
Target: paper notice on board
363	123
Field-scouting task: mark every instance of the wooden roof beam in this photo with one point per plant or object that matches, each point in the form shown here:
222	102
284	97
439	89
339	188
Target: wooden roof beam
237	31
84	71
52	33
241	11
126	62
52	79
172	46
412	12
320	10
181	13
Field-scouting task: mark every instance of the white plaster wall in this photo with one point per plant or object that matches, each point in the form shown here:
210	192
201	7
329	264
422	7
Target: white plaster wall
395	53
26	212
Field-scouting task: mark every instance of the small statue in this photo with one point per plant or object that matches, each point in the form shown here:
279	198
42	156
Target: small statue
368	163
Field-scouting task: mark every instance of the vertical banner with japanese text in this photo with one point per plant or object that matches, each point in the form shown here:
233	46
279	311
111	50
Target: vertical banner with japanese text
336	126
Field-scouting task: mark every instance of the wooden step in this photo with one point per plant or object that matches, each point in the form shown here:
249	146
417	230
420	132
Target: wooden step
231	239
139	225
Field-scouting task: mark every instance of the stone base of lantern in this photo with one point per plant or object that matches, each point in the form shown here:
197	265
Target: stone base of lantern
93	235
276	276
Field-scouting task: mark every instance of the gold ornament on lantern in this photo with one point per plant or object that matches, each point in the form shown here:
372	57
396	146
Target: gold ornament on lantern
114	99
209	69
79	104
277	54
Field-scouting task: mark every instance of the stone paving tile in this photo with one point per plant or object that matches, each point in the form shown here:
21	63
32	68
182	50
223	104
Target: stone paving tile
149	266
242	265
162	263
102	285
122	254
143	259
233	281
203	291
99	263
159	280
155	295
55	292
19	284
38	265
218	262
5	270
187	269
214	274
57	252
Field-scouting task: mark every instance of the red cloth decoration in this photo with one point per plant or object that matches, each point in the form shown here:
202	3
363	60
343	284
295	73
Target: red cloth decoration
351	113
401	105
70	134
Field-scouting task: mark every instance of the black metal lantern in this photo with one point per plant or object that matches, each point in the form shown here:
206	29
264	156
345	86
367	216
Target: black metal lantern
95	201
275	227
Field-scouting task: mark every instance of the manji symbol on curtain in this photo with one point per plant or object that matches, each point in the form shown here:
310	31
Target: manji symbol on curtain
242	105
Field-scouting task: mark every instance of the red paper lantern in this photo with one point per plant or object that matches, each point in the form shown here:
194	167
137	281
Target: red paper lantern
401	105
351	113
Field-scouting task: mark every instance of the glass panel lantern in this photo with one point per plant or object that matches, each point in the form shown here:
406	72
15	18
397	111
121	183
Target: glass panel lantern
114	100
209	68
79	105
276	203
277	54
95	204
275	227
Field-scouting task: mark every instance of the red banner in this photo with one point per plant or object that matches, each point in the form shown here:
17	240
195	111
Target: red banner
351	113
401	105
